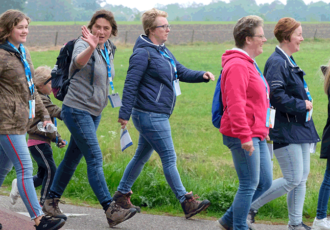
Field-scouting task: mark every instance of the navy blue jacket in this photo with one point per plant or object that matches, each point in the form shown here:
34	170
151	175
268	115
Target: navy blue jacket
149	83
288	95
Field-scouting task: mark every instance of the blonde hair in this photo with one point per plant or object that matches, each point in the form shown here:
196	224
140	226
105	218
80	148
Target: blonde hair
41	75
327	80
8	20
149	18
245	27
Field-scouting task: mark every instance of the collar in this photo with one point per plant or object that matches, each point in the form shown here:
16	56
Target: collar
284	55
244	52
142	36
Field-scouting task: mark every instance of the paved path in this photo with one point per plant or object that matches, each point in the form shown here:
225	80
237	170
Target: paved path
95	220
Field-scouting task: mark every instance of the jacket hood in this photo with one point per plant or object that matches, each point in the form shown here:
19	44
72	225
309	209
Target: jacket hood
143	41
7	47
230	54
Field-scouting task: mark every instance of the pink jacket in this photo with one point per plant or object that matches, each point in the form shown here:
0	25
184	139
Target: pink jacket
244	98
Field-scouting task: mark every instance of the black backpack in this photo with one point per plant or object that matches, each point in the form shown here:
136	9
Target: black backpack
60	73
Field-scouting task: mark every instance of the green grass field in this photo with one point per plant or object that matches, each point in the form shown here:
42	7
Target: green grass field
204	163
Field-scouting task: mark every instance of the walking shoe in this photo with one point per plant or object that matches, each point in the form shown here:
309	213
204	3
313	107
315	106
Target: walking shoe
50	223
322	224
222	225
50	208
116	214
14	193
124	201
0	226
251	215
191	206
300	226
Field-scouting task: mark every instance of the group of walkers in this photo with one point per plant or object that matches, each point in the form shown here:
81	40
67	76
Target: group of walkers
152	84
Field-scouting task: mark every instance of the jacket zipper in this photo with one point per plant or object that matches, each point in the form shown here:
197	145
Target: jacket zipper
172	83
160	91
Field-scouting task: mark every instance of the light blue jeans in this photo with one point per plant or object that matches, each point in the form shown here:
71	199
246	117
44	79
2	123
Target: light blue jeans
255	177
14	152
294	161
155	134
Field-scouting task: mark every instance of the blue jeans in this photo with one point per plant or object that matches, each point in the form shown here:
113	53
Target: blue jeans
14	152
324	195
83	142
255	177
155	134
294	161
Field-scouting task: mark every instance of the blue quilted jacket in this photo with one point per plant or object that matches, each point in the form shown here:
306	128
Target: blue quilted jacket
149	81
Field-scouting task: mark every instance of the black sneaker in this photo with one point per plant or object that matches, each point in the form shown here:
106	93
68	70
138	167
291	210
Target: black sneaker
50	223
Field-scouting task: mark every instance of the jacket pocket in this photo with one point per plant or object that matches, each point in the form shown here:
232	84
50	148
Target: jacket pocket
160	91
251	119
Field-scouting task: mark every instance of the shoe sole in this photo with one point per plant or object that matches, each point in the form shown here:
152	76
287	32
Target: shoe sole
64	217
58	226
204	207
132	213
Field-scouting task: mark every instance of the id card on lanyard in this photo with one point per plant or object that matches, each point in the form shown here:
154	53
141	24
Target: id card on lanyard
176	84
28	75
270	116
114	98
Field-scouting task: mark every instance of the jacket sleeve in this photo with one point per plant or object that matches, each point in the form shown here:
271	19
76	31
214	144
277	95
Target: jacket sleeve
235	87
53	110
40	109
276	76
188	75
138	64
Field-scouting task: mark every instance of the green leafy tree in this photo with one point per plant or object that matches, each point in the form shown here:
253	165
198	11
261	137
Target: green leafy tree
11	4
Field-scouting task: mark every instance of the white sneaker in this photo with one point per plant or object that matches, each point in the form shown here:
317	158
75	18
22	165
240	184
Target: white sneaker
322	224
14	193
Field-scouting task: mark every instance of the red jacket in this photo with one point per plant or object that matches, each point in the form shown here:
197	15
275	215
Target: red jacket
244	98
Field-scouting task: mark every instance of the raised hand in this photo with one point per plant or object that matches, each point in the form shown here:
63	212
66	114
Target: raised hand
92	40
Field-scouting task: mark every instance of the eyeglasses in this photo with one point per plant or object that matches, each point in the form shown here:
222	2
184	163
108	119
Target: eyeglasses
260	36
165	27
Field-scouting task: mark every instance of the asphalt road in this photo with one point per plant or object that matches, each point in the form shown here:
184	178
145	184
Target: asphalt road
14	218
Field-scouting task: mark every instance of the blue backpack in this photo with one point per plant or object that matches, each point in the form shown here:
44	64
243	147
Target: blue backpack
217	106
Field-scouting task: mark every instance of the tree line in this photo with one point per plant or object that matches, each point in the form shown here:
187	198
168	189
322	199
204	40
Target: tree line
217	10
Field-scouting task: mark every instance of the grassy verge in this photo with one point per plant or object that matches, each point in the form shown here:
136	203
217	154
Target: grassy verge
204	163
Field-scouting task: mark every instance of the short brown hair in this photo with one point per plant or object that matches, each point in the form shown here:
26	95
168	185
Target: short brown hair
41	75
107	15
149	18
8	20
285	28
245	27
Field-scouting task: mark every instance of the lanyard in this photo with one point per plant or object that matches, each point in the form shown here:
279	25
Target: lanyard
264	80
172	62
27	69
107	59
55	123
305	84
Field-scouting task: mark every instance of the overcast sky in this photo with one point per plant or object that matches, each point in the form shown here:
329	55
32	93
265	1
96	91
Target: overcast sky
145	4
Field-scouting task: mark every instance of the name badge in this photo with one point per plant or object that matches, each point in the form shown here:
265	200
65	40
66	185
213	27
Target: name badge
312	147
115	100
270	119
309	115
32	109
177	87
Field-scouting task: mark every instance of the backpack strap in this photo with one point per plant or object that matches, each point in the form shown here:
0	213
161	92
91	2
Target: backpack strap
148	54
93	67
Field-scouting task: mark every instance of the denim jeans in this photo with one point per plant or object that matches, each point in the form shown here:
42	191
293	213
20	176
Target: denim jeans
255	177
155	134
43	155
324	195
83	143
294	161
14	152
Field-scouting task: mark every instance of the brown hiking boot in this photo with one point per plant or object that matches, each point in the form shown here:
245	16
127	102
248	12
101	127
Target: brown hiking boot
191	206
116	214
124	201
50	208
